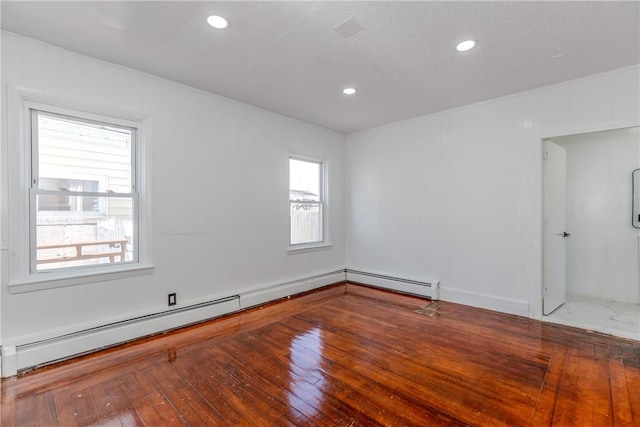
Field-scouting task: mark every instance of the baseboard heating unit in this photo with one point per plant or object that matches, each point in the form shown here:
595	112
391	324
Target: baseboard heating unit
429	289
33	354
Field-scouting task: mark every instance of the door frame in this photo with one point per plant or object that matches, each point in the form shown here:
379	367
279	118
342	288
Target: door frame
539	290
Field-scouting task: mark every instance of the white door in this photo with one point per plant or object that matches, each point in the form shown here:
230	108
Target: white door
555	233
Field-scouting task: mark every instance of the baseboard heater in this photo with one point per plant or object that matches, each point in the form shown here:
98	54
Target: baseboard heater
429	289
25	356
55	349
282	290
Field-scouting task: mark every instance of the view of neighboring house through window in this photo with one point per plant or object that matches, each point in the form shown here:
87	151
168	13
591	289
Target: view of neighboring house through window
306	201
83	197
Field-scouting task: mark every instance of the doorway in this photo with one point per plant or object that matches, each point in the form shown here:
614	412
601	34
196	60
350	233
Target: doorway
591	258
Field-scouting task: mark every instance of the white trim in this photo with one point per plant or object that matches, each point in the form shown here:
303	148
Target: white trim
427	288
51	279
260	296
309	247
489	302
34	110
538	288
19	101
571	130
100	179
44	348
324	203
8	360
81	342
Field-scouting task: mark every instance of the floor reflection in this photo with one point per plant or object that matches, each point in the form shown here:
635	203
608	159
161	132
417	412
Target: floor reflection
122	420
306	377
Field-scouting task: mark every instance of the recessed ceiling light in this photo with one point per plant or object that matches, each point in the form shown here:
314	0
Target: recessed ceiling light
349	91
218	22
465	45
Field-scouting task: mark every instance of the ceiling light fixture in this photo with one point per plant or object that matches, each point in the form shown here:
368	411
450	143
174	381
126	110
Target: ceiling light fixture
349	91
465	45
218	22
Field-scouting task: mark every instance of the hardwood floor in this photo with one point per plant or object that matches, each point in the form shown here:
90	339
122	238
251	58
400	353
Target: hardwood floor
344	356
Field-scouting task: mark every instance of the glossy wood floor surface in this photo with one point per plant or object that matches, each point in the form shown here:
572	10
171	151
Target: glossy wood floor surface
344	356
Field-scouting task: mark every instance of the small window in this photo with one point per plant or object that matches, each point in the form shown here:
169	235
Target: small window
306	201
83	199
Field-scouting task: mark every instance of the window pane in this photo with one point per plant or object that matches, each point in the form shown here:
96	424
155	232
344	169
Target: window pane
306	223
72	152
77	238
305	195
67	202
304	180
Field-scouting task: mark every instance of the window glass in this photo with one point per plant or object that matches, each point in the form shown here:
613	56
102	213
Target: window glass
83	201
305	201
67	203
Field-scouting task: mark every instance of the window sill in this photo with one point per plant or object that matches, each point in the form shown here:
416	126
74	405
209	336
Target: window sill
51	280
308	248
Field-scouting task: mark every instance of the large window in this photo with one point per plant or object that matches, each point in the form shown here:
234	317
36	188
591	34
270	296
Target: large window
83	198
306	201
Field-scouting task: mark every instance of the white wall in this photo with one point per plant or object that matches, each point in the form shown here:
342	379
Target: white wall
220	194
3	248
457	195
454	196
602	251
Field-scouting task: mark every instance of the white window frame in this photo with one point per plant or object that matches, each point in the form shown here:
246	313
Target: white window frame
324	205
23	276
34	141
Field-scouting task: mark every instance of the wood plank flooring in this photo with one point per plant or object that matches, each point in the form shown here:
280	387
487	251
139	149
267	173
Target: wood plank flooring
344	356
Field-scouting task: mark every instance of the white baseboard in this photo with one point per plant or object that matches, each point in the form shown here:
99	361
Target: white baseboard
490	302
429	289
38	352
261	296
77	343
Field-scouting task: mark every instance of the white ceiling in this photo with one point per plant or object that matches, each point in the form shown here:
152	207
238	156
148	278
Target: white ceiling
286	56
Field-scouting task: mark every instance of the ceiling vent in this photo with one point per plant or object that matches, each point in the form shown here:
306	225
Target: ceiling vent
348	28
